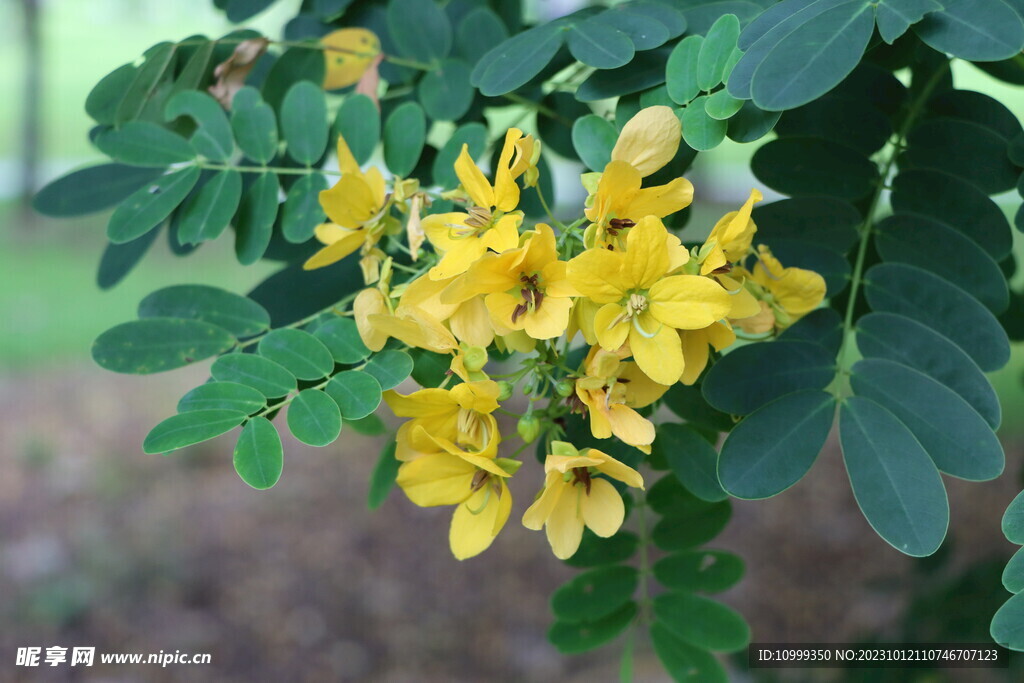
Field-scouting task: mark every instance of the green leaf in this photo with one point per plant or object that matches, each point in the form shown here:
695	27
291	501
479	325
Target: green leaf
722	106
1013	574
751	123
692	459
813	58
254	125
825	221
302	212
92	189
119	259
595	551
254	222
142	347
595	593
593	137
405	134
144	87
150	205
371	425
982	110
295	64
313	418
223	396
197	68
975	30
267	377
297	351
683	661
699	571
716	50
688	402
304	122
1008	624
474	135
382	480
390	368
957	204
429	369
700	131
106	96
645	71
237	314
358	121
599	44
420	30
823	327
645	31
700	17
812	166
692	529
446	94
894	17
681	70
955	436
942	306
259	457
141	143
751	376
212	137
479	31
894	481
830	264
702	622
207	212
242	10
1013	520
190	428
341	337
964	149
514	62
904	341
933	246
776	445
856	123
670	18
575	637
356	393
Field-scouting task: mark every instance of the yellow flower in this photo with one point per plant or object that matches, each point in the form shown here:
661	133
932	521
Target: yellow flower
357	208
647	142
526	288
368	303
468	320
610	390
789	293
696	345
729	241
641	304
574	496
474	483
462	238
462	415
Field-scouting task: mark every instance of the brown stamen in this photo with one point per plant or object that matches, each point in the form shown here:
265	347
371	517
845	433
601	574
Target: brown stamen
479	479
582	475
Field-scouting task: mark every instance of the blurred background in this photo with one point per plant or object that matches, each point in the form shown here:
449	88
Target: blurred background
103	546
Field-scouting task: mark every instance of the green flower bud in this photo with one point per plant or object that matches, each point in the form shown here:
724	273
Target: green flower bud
505	390
475	358
565	388
528	428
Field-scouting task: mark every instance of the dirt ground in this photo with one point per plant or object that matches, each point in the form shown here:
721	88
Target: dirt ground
103	546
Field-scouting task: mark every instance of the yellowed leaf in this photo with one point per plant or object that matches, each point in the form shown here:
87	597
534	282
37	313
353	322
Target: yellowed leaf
348	53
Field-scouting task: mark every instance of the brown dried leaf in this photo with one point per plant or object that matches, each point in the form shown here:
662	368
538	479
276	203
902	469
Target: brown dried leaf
232	72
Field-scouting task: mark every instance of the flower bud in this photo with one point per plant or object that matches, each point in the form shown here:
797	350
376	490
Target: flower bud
505	390
565	388
475	358
528	428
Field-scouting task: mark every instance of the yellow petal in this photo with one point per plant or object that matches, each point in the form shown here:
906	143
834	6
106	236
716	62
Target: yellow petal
351	52
611	336
695	354
564	463
505	233
492	273
662	200
602	509
350	203
630	426
370	302
437	479
656	350
595	274
347	163
335	251
471	323
437	227
689	302
549	320
646	259
616	469
537	514
421	403
473	179
799	291
616	190
506	192
649	140
641	391
744	304
458	260
565	524
735	230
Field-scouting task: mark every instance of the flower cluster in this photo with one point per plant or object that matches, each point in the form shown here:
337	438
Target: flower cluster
615	288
